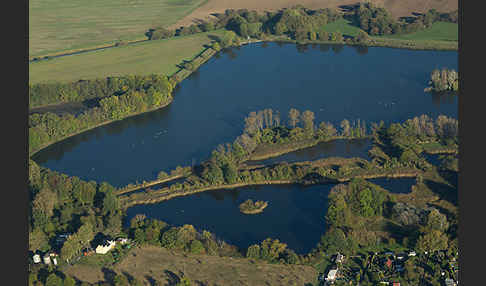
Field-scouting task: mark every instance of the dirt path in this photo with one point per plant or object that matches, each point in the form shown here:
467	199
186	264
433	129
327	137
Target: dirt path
398	8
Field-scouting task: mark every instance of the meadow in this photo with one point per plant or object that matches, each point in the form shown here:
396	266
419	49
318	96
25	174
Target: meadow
157	56
56	25
439	31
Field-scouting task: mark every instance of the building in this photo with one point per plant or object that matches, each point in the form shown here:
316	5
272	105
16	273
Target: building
105	247
339	258
331	276
122	240
47	259
388	263
396	284
36	258
412	253
450	282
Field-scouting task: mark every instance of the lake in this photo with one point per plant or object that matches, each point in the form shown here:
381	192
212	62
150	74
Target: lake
335	82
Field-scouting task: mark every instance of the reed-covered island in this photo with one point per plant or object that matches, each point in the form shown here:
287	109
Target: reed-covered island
251	207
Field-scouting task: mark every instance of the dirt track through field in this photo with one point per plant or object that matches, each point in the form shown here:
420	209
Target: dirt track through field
398	8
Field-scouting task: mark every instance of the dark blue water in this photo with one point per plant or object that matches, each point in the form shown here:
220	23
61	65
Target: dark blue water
397	186
335	148
335	82
294	215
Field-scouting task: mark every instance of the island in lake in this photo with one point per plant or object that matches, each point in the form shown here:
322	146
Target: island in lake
250	207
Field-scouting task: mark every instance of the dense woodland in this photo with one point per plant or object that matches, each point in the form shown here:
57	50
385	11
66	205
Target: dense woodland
137	94
301	24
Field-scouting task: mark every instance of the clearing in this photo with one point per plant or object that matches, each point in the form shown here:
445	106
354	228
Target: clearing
158	56
151	263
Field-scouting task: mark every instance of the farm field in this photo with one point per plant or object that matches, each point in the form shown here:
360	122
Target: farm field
158	56
56	25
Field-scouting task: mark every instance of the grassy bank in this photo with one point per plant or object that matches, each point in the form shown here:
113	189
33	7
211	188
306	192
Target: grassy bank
77	25
158	56
348	168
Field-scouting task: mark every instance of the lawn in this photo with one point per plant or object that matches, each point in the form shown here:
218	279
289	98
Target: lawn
342	25
439	31
160	56
56	25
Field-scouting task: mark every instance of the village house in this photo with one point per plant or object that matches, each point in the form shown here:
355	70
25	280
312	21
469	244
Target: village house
450	282
47	259
36	258
105	247
339	258
331	276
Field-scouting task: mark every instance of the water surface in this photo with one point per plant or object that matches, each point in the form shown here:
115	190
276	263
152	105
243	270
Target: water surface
294	215
335	82
335	148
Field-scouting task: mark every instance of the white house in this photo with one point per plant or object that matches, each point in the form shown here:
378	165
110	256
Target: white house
412	253
105	247
339	258
331	276
47	259
36	258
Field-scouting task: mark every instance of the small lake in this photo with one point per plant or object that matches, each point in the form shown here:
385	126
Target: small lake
395	185
335	148
295	213
333	81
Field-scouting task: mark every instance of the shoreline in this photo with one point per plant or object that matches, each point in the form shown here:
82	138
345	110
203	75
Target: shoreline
32	153
166	194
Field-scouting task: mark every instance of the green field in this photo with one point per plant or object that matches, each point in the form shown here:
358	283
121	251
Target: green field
160	56
439	31
56	25
344	26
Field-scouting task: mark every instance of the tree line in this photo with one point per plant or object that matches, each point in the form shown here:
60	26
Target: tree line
77	91
301	24
266	127
378	21
148	93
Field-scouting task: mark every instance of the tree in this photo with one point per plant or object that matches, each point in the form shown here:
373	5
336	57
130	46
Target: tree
294	115
432	241
196	247
345	128
53	280
312	35
69	281
307	118
362	37
227	39
436	221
